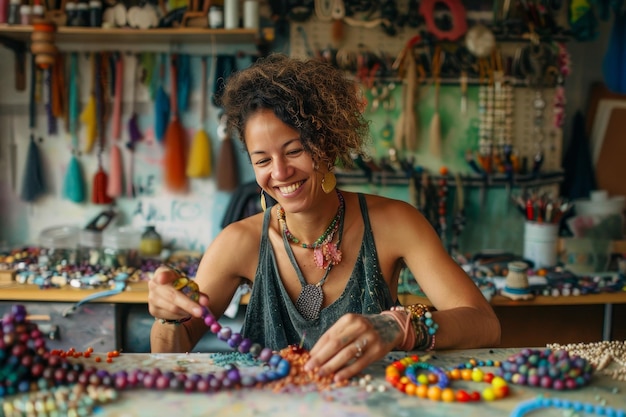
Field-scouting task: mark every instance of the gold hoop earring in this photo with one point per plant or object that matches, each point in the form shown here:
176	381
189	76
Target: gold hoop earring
263	202
329	181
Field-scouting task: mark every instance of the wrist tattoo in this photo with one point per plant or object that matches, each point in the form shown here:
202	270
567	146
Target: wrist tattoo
385	326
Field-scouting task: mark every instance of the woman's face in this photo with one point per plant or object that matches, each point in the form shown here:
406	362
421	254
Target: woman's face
281	165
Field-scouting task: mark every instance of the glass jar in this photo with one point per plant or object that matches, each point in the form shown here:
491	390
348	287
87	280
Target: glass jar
58	245
120	247
89	247
151	243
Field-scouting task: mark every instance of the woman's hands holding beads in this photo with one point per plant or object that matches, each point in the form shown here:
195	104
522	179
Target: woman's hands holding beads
167	302
352	343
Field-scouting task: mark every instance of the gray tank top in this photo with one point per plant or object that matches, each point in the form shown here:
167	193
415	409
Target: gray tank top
272	318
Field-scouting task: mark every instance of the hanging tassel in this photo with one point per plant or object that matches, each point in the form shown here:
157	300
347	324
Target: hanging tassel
174	153
435	135
99	195
227	173
74	183
33	185
199	161
115	184
435	123
161	106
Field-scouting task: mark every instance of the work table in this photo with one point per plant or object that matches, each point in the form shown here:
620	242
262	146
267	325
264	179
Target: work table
353	400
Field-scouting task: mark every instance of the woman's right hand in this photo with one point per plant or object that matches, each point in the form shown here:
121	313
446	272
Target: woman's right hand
166	302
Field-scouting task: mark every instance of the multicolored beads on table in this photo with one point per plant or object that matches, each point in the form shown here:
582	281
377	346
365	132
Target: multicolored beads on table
435	383
547	368
33	377
527	407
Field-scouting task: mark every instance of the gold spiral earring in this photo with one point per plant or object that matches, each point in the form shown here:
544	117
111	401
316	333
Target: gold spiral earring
329	181
263	202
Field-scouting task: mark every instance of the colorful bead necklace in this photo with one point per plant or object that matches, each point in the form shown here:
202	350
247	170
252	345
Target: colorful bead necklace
435	383
27	367
325	251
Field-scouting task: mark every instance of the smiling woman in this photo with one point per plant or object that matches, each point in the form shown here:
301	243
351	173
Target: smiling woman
324	263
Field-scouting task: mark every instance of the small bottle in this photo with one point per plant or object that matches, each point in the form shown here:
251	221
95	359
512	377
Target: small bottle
70	13
14	12
4	11
231	14
95	13
37	11
151	243
251	14
82	14
25	14
216	17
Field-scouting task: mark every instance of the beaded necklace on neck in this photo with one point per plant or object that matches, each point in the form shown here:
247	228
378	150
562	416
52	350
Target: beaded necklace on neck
325	251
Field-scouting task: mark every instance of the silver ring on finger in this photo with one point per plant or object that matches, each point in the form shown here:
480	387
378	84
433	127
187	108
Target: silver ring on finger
360	346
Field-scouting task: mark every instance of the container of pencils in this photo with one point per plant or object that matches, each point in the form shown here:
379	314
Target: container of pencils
540	243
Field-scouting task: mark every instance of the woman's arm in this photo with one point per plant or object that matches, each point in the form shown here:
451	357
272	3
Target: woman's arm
465	317
220	272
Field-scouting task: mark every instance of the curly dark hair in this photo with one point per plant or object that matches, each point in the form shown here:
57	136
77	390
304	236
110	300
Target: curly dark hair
311	96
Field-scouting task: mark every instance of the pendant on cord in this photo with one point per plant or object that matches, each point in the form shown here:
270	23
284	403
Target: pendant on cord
309	303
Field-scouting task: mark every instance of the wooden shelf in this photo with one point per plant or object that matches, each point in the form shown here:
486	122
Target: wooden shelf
540	300
86	35
135	293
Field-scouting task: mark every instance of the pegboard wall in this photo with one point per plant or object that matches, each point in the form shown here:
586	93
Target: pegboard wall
315	38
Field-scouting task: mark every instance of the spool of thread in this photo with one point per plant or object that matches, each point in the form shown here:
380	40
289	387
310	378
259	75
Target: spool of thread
251	14
42	43
231	14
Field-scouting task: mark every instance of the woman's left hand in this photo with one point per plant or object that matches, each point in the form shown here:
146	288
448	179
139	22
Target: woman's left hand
352	343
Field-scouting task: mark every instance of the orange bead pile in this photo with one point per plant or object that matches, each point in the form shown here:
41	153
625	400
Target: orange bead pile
87	353
426	386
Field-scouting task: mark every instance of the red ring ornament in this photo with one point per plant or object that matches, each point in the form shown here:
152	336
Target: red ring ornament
427	9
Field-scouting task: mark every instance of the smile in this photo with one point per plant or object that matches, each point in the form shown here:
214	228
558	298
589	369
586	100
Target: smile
290	188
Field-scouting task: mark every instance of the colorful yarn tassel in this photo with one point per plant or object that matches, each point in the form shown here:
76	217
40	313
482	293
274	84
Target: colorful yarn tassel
74	183
100	181
174	157
33	185
199	163
115	183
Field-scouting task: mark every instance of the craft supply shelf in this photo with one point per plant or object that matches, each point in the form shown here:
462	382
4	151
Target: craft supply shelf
470	180
136	36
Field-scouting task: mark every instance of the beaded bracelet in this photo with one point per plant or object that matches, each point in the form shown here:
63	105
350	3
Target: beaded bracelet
402	374
423	323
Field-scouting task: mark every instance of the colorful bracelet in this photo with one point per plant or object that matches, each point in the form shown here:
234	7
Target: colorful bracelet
404	321
423	323
400	374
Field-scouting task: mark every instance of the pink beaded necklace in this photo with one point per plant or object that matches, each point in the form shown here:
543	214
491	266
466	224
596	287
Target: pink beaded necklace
325	251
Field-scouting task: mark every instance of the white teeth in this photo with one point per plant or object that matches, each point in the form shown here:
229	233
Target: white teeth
290	188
